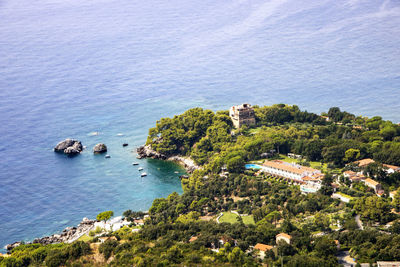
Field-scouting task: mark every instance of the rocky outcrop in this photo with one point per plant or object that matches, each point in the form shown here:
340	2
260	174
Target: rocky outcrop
99	148
148	152
10	247
69	147
68	235
186	162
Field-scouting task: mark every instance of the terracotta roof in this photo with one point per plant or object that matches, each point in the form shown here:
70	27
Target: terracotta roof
371	182
308	178
337	242
193	238
364	162
263	247
395	168
350	173
281	165
284	235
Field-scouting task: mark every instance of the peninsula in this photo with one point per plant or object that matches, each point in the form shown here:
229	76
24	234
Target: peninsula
270	185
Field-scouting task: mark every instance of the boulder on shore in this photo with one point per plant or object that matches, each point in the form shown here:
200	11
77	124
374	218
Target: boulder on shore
148	152
69	147
99	148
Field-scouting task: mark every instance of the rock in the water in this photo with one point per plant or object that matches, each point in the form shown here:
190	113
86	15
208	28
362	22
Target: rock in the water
71	151
13	245
125	144
69	147
99	148
148	152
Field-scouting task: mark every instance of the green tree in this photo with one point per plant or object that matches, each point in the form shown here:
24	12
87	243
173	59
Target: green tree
104	216
396	200
351	155
235	164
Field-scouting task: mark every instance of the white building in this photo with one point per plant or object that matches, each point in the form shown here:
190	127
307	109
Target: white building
391	168
294	172
283	237
342	197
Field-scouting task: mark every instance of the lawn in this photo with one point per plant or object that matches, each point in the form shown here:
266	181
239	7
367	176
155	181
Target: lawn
85	238
248	219
230	217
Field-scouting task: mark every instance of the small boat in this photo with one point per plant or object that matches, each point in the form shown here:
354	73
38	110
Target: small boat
143	174
176	172
107	156
139	157
140	169
125	144
135	163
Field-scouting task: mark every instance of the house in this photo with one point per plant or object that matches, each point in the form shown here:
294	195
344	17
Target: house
242	115
342	197
294	172
388	263
364	162
392	194
283	237
349	174
262	249
357	178
373	184
391	168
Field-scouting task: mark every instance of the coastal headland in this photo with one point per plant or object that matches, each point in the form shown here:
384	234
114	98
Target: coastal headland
268	185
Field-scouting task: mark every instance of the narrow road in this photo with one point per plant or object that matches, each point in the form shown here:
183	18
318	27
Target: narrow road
359	222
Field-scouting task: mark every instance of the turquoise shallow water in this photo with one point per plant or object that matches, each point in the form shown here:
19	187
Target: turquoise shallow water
69	68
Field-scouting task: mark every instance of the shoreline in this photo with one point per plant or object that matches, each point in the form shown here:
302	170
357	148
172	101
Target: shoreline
146	151
72	234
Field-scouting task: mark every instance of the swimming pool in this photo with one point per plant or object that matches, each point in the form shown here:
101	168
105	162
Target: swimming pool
308	189
252	166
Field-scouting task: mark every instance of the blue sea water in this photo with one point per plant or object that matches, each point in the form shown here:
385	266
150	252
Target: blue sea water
69	68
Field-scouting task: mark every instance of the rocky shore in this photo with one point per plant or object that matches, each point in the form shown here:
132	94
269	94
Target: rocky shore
186	162
68	235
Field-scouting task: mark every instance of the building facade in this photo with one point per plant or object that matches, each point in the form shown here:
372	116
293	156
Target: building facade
294	172
242	115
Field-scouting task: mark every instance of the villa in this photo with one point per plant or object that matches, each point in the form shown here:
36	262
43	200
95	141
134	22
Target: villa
391	168
374	185
242	115
262	248
294	172
364	162
283	237
353	176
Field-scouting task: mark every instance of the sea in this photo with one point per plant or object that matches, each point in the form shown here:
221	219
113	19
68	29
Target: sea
107	70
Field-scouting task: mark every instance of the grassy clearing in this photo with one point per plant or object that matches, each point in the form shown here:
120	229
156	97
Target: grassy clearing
230	217
85	238
248	219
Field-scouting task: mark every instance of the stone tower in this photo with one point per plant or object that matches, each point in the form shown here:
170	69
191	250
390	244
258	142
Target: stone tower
242	115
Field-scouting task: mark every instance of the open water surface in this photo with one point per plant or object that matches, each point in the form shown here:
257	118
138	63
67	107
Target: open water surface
69	68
